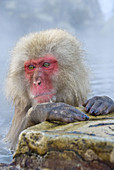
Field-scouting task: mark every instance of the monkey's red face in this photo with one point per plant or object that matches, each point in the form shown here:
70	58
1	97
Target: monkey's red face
40	73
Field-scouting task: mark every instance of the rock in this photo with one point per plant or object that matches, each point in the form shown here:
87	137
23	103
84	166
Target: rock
82	145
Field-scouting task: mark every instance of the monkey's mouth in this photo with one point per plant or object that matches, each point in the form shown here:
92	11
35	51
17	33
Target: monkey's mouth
45	97
44	94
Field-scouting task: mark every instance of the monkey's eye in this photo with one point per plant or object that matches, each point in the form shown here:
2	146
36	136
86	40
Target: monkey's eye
46	64
31	67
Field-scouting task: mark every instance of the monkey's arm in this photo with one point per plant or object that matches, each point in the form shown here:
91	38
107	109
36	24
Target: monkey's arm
54	111
50	111
16	127
99	105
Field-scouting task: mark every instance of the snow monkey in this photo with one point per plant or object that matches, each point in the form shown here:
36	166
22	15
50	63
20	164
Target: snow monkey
47	79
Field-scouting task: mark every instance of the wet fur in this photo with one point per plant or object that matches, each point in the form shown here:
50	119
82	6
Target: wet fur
72	83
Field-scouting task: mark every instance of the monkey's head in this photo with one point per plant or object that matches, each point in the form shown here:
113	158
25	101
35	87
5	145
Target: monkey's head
47	66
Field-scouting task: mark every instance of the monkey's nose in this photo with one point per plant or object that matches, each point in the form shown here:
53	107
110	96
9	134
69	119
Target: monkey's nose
37	83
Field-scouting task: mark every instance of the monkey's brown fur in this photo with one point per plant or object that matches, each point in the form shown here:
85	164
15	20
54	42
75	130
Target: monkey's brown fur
72	83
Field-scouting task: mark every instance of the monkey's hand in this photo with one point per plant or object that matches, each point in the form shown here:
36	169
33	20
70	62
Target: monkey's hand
99	105
55	112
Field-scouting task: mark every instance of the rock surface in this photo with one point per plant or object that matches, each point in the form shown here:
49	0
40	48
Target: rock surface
81	145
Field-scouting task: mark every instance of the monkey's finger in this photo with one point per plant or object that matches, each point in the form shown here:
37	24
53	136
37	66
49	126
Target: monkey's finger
79	115
84	104
94	107
62	115
89	105
68	115
93	99
67	119
102	107
108	110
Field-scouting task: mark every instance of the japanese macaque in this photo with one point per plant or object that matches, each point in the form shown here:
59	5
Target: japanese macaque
47	79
